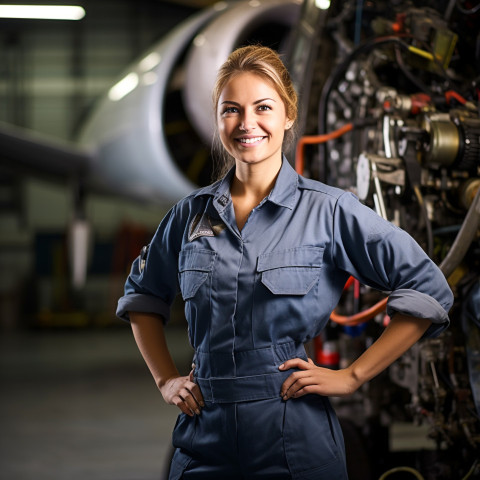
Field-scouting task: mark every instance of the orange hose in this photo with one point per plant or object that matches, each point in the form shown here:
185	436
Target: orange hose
360	317
316	139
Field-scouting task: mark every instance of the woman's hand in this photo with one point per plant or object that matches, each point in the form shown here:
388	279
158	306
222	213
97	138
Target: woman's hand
184	393
401	333
318	380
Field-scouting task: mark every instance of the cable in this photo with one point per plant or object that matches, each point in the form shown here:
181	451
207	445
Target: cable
416	81
414	472
358	21
316	139
464	238
428	224
471	471
466	11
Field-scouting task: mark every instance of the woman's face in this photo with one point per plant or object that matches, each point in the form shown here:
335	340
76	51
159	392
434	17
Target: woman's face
251	119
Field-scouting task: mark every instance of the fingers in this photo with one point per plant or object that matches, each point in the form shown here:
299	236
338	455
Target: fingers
189	399
196	389
297	380
185	394
297	384
296	363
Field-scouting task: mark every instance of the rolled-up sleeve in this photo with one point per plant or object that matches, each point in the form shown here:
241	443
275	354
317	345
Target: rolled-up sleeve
387	258
152	284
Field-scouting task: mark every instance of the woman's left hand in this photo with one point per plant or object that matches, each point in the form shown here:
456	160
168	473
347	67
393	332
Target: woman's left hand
317	380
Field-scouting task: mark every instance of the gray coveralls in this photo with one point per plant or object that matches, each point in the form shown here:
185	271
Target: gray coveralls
253	298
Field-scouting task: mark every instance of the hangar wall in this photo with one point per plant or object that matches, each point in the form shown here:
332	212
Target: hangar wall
51	75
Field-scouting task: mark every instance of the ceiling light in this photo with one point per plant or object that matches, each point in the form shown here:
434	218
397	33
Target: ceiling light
43	12
323	4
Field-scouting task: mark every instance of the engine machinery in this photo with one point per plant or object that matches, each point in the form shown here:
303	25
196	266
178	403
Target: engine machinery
404	100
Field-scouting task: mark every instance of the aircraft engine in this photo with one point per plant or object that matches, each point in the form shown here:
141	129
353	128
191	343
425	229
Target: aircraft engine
143	142
401	118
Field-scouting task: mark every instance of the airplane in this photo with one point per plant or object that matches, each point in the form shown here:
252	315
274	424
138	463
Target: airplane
125	148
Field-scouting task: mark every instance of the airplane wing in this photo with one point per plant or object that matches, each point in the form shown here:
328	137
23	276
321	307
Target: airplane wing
29	151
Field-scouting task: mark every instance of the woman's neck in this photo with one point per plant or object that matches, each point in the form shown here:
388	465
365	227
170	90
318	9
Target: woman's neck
254	181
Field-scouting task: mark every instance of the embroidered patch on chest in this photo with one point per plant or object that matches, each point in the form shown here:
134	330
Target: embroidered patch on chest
204	226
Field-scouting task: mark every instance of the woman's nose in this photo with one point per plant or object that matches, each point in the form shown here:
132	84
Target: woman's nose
247	123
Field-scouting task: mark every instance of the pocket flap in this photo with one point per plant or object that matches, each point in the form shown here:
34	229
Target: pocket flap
294	257
196	259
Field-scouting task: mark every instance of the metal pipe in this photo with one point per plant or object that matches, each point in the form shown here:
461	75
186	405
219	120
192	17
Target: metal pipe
464	238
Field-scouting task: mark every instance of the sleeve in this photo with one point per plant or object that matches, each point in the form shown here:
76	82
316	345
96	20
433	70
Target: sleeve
387	258
152	284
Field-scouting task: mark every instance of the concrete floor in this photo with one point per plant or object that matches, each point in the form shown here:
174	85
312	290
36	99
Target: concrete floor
82	405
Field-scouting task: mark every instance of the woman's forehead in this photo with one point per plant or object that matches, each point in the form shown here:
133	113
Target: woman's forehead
248	86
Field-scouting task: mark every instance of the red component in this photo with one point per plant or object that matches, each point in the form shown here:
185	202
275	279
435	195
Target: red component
356	289
328	359
419	101
396	27
399	24
326	353
452	94
349	283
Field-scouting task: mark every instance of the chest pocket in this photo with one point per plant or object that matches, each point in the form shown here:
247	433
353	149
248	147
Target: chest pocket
291	272
194	267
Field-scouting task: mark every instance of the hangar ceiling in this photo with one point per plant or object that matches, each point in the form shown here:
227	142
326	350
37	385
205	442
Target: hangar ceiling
51	72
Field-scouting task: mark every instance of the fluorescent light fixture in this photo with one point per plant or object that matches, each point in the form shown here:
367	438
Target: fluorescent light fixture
123	87
42	12
323	4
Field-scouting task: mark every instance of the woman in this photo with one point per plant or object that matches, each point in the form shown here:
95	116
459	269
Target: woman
261	258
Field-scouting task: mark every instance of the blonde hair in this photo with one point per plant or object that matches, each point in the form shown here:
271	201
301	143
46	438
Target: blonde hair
266	63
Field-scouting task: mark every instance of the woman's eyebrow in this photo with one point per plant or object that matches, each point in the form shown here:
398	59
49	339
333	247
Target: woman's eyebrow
231	102
263	100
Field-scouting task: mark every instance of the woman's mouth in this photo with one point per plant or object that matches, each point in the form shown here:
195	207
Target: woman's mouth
249	141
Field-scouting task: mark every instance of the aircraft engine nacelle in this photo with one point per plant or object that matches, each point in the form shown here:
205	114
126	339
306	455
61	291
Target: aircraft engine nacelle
133	154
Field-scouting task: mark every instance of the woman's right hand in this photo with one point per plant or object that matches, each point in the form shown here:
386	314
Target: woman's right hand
184	393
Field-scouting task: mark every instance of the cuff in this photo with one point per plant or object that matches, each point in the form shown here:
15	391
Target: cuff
139	302
421	305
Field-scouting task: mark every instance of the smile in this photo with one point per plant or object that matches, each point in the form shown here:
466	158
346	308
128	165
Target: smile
249	141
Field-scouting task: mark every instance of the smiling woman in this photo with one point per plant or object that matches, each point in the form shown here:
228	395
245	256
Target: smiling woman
260	73
261	258
251	121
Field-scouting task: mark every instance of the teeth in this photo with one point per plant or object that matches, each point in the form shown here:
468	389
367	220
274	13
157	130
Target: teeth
250	140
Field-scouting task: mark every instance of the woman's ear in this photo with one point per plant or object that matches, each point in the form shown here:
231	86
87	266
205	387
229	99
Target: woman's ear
288	124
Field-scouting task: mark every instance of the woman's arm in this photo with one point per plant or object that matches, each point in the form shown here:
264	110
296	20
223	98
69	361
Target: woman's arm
176	390
401	333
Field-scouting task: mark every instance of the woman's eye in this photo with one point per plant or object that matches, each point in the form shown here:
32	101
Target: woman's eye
230	110
264	108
